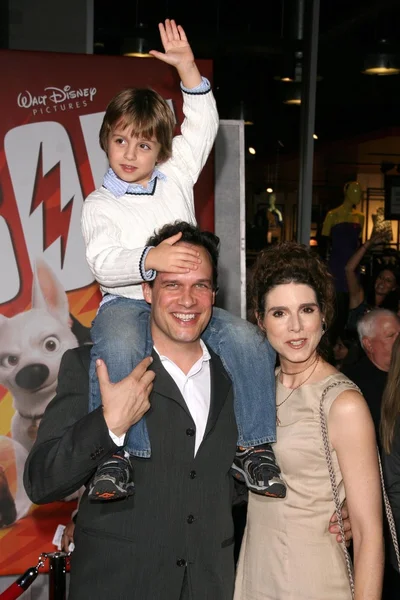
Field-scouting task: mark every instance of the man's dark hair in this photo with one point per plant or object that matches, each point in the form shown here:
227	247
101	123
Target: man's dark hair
192	235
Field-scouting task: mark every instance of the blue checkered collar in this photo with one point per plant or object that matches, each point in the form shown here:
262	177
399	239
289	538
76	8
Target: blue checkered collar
119	188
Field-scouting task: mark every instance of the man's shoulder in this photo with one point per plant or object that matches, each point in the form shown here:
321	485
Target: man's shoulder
217	365
79	357
365	374
360	368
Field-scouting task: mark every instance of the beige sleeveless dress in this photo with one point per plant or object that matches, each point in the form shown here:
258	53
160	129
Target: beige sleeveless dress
287	551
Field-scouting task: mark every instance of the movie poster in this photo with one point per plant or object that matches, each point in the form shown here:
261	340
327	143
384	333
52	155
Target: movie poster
51	108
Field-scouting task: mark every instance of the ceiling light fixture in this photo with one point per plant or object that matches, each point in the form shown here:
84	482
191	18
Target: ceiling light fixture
136	46
291	93
252	150
291	60
139	44
245	115
383	61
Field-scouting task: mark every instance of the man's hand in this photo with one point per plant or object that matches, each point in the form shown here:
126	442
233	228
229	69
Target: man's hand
125	403
169	258
178	53
67	536
334	526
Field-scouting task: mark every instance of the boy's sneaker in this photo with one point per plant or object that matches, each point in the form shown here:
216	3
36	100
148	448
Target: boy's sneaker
113	479
256	466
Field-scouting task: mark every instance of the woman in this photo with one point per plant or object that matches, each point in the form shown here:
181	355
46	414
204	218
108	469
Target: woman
383	293
390	438
287	553
346	350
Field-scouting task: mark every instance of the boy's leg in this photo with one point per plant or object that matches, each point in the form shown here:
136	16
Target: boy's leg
120	334
250	361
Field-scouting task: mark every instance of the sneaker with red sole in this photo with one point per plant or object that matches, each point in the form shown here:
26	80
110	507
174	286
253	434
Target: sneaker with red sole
113	480
257	468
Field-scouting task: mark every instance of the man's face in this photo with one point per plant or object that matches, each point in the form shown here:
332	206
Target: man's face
181	305
379	347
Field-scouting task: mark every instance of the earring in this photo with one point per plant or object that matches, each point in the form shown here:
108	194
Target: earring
324	328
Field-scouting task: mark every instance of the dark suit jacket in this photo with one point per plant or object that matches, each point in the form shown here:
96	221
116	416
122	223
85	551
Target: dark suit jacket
180	517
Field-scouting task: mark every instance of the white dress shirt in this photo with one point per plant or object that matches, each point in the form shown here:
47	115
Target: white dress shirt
195	388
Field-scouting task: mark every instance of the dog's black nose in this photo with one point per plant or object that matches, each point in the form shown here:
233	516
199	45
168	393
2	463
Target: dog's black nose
32	377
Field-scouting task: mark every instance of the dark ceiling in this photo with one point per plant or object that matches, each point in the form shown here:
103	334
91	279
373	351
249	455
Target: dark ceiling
246	41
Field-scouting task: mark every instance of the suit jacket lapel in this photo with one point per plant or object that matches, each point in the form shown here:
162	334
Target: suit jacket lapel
220	386
164	385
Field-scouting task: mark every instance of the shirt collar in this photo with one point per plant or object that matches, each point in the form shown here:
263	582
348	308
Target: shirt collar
204	358
119	188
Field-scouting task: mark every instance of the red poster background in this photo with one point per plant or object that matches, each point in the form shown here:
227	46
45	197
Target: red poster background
27	77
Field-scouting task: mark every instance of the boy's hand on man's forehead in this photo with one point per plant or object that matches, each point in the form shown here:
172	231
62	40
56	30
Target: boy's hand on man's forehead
173	256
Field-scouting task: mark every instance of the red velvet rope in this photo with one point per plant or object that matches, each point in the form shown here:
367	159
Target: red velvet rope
19	586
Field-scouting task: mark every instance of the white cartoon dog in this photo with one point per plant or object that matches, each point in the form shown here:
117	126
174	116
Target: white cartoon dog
32	344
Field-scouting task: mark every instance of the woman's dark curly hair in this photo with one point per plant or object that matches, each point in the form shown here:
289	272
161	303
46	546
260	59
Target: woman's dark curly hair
290	262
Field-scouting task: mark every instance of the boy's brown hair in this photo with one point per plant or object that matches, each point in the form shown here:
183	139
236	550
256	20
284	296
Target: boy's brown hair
148	114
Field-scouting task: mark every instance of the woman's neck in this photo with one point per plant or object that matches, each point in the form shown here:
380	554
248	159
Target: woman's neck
379	298
293	374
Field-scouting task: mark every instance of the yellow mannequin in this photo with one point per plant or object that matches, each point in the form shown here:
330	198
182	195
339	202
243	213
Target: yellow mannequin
343	226
345	213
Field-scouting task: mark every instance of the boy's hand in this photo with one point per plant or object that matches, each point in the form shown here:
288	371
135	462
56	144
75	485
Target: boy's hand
169	258
178	53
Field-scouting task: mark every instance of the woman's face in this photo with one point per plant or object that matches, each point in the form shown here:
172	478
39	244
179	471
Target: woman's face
385	282
340	350
292	321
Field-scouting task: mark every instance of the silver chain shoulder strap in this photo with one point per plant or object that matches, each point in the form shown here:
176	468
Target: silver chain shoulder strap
389	516
388	509
338	507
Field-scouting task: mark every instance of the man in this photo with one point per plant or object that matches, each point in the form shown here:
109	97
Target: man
173	539
377	331
176	531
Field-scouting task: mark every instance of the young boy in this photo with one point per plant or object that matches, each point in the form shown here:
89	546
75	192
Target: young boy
149	184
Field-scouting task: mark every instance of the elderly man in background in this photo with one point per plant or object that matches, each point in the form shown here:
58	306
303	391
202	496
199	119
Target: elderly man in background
377	331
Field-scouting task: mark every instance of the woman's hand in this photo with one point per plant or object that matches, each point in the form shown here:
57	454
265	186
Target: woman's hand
68	537
375	239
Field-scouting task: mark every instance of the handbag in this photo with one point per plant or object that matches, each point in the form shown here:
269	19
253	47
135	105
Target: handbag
388	509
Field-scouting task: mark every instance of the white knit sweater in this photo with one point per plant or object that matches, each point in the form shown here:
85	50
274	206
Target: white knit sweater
116	229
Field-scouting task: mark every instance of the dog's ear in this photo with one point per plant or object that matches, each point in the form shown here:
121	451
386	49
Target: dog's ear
48	293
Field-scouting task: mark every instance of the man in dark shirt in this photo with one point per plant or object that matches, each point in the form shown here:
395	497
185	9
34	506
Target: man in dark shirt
377	331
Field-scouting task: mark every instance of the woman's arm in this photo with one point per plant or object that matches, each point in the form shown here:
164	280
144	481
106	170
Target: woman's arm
356	292
352	435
